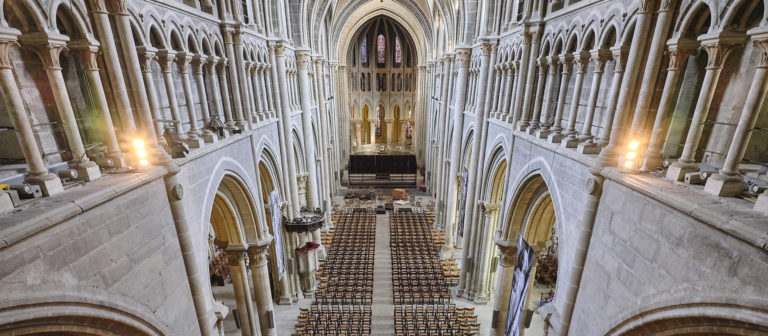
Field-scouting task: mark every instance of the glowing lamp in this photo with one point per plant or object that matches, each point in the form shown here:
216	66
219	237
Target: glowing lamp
634	145
627	164
143	162
141	153
138	143
631	155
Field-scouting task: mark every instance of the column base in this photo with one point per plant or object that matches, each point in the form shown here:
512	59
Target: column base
49	183
6	204
555	137
677	170
521	126
195	143
543	133
570	142
652	161
210	137
762	203
284	301
724	185
88	171
309	295
118	160
588	147
482	299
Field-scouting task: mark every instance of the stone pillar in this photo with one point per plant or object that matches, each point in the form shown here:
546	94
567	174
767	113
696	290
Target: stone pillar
359	132
524	70
509	88
522	113
462	59
249	92
441	138
557	129
279	51
403	131
49	49
260	273
470	227
166	62
717	49
497	89
653	62
372	131
238	273
487	212
507	261
113	153
235	62
678	55
147	56
112	64
389	130
224	86
323	128
265	83
197	65
302	63
259	90
543	69
37	173
133	70
609	155
620	60
581	62
599	56
544	131
728	182
193	135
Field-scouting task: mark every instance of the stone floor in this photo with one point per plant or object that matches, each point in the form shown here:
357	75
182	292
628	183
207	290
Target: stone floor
383	306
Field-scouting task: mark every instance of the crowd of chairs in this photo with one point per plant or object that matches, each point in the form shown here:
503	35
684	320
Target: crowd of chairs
417	273
334	320
342	304
443	319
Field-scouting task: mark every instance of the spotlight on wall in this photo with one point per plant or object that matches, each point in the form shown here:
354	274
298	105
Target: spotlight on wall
141	152
628	161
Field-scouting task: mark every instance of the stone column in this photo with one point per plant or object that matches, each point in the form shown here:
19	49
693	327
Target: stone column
717	49
403	131
529	67
728	182
620	60
235	62
166	62
462	59
193	135
599	56
557	129
279	51
359	132
238	273
372	131
260	273
265	84
112	64
197	65
302	63
88	54
678	55
441	138
543	69
581	62
49	49
544	131
524	72
389	130
487	211
507	261
259	90
37	173
497	89
147	56
470	227
622	114
224	86
508	88
323	128
653	62
133	70
249	92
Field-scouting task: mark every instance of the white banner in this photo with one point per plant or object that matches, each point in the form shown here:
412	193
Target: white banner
277	227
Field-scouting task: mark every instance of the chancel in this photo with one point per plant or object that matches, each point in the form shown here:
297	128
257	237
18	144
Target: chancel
388	167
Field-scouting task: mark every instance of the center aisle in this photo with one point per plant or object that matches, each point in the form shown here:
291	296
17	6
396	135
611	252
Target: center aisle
381	319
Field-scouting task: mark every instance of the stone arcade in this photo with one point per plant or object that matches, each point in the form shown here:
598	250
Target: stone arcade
179	167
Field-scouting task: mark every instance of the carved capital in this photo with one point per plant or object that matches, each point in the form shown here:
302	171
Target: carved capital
507	252
487	48
463	57
234	257
89	55
166	59
678	54
302	59
145	60
600	57
759	38
567	61
718	47
646	6
198	61
183	59
5	53
620	57
581	60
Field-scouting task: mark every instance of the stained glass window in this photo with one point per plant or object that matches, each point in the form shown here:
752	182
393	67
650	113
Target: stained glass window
364	51
398	51
381	43
379	118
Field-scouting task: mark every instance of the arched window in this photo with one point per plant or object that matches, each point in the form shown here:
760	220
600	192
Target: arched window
381	48
364	51
398	51
379	119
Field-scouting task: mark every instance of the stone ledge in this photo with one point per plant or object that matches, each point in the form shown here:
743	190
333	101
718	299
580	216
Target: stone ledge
40	214
731	215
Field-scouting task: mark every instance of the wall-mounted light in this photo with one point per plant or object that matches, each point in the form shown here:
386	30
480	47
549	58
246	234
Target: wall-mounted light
141	152
629	159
